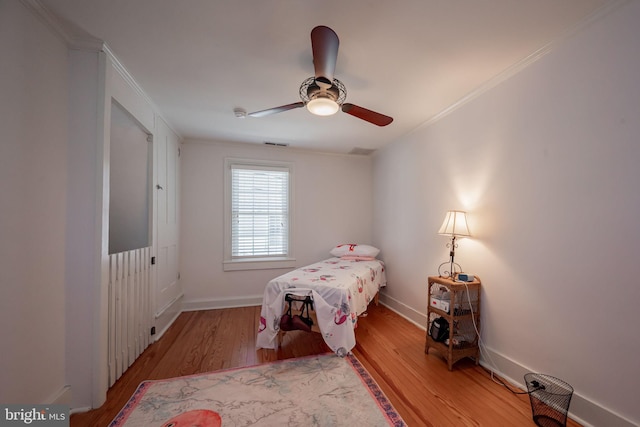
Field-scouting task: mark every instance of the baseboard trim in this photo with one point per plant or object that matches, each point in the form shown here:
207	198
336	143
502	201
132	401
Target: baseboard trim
167	316
217	303
168	306
62	397
412	315
159	334
583	410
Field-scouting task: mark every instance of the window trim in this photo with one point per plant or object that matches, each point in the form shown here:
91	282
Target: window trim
257	263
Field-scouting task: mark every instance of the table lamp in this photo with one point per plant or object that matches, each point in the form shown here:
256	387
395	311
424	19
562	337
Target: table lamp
454	225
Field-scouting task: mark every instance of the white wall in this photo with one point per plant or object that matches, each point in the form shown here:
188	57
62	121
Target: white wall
55	114
33	179
332	202
546	164
82	239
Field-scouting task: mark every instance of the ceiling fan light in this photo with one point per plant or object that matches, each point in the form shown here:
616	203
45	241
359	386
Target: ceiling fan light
322	106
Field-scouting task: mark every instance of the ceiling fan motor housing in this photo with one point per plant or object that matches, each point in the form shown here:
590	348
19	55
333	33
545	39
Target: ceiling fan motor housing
311	89
322	94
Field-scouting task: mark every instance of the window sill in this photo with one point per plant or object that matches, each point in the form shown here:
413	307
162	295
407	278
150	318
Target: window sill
259	264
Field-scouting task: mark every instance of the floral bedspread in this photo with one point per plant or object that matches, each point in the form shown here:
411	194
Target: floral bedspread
341	290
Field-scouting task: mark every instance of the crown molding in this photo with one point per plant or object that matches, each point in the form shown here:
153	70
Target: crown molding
124	73
77	39
119	67
598	14
72	36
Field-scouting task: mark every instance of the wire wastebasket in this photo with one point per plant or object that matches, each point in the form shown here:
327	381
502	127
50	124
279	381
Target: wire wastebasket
550	399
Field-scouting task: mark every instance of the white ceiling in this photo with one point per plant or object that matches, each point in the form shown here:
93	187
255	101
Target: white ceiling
411	59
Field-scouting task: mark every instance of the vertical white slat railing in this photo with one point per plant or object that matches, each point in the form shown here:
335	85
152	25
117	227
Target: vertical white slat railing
129	308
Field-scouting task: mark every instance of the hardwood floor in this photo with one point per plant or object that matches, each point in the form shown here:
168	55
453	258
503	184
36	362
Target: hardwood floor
420	386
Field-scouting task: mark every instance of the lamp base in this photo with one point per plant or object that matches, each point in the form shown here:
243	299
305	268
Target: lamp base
454	269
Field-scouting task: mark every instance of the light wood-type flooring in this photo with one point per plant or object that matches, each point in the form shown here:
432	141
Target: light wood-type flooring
420	386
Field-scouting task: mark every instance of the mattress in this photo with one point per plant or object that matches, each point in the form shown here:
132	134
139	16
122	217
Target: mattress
341	290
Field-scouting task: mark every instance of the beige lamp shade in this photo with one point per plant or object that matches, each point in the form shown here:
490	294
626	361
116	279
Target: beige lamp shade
455	224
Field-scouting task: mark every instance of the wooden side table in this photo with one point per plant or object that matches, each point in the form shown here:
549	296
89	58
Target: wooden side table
459	304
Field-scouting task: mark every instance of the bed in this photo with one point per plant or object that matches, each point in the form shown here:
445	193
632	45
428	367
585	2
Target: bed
341	288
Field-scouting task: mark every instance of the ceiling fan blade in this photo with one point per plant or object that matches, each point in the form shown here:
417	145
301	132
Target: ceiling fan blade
275	110
324	43
367	115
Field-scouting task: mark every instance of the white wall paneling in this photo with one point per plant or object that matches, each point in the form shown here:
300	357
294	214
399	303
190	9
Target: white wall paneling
129	308
167	212
121	88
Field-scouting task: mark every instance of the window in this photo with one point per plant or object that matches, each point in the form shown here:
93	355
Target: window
257	215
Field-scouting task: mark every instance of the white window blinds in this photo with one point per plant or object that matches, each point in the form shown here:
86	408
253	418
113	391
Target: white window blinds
259	211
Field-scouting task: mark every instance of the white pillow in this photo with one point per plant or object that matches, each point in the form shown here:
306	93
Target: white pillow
354	249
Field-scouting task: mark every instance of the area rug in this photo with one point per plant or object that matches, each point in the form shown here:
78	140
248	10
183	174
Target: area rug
323	390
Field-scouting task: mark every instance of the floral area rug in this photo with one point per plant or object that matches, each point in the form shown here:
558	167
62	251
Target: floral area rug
323	390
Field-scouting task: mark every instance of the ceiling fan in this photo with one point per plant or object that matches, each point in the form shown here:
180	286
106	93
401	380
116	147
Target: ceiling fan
323	94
